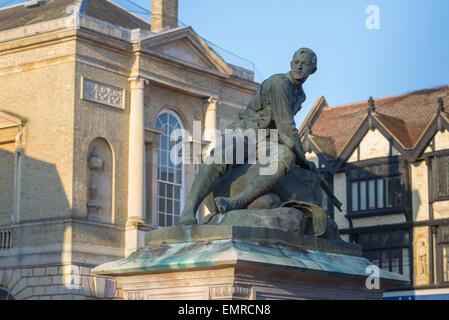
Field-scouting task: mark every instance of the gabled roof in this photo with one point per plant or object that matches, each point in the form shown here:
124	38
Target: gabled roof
405	119
186	45
111	12
19	15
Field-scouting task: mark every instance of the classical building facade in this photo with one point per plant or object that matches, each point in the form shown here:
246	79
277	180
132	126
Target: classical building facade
388	162
89	95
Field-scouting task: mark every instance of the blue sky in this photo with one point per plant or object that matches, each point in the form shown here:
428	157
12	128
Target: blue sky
409	52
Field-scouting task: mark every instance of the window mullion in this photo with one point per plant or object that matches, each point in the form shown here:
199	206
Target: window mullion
375	194
358	196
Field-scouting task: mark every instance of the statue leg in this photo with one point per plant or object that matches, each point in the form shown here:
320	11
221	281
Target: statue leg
260	185
202	186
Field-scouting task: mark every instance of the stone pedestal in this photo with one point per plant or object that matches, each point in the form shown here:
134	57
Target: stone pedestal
239	262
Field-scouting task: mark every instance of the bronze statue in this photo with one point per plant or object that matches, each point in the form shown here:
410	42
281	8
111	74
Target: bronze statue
273	106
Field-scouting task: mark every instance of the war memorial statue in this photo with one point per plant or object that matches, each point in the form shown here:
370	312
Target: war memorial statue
267	236
229	187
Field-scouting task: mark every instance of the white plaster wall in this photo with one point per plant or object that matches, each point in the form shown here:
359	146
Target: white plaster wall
353	157
340	193
420	191
441	209
442	140
428	149
374	145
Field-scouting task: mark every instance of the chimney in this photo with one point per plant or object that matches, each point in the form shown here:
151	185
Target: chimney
164	15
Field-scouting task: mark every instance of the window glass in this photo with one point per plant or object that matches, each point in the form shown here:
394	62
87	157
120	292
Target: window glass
170	176
405	263
355	196
389	255
441	178
389	192
380	193
362	195
396	260
372	194
376	186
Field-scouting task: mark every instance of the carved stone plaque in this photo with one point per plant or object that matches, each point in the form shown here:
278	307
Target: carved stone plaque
102	93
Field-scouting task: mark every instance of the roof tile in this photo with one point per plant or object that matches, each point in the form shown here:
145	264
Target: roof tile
406	117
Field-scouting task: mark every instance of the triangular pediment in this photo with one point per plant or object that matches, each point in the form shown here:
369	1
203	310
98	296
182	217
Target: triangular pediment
183	49
185	46
7	120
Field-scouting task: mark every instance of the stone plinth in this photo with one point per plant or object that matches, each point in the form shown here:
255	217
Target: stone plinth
236	262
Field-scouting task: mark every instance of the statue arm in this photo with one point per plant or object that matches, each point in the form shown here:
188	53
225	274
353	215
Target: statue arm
284	119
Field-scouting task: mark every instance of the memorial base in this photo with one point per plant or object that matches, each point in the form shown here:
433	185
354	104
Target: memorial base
207	262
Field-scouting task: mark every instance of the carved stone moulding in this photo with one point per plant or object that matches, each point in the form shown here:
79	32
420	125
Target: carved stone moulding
230	292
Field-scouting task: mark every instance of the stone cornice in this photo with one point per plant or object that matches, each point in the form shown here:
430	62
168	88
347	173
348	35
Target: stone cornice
38	28
36	41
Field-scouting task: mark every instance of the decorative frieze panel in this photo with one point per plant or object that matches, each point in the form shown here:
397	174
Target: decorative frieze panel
102	93
134	295
230	292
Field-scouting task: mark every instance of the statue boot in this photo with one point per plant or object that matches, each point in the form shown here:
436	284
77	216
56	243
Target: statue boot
202	186
258	187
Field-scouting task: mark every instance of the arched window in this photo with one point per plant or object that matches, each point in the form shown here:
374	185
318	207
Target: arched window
5	294
170	190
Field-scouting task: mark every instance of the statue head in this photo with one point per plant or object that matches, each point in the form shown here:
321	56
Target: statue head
303	64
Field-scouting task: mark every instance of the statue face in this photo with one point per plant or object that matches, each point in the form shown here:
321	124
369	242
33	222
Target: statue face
302	66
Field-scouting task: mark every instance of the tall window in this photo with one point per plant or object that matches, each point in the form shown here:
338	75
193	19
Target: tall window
170	176
441	178
375	187
443	254
389	250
